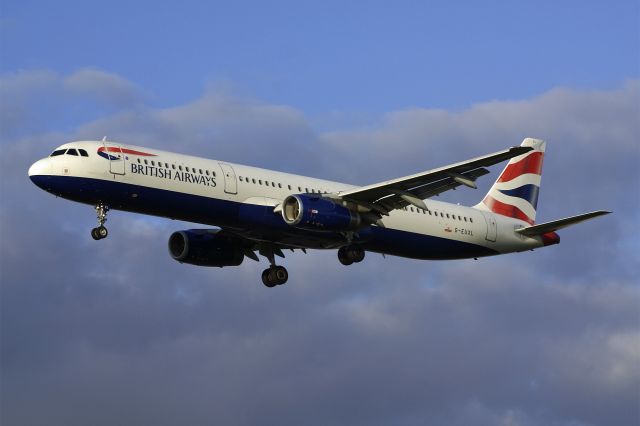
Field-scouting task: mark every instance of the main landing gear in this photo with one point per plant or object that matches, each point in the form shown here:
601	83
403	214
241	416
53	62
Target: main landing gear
100	232
274	275
350	254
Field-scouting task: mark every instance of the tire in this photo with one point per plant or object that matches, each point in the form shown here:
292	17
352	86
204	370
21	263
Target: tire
94	234
266	278
102	232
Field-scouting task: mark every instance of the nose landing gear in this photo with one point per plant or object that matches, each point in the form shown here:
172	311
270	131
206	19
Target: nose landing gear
101	212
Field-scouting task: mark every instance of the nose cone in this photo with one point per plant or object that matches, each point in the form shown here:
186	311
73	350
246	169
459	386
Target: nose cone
40	168
40	171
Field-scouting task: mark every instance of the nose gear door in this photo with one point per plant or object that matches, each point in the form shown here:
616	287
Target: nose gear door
230	183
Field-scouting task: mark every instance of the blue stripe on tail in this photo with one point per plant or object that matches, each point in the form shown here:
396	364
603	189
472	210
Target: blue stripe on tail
526	192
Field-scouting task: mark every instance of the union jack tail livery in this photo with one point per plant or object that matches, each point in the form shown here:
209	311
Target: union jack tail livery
515	193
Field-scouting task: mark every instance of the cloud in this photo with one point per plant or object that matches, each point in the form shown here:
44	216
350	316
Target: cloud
103	86
116	332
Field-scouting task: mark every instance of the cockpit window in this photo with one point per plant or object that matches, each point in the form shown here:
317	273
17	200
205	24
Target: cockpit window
83	152
72	152
58	152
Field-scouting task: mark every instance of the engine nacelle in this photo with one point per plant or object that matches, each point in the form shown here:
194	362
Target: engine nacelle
204	248
318	214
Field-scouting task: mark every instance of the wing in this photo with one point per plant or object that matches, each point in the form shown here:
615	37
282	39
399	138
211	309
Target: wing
398	193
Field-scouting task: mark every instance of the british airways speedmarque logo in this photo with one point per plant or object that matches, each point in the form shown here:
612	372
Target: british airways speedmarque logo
104	152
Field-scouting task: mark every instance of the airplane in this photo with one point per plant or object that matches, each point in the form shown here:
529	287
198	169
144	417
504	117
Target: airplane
255	210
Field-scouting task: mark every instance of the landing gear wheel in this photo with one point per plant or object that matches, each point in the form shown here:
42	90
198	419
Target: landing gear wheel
275	275
99	233
101	212
350	254
102	232
343	256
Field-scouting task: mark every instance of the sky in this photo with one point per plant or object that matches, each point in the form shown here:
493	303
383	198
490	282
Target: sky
116	332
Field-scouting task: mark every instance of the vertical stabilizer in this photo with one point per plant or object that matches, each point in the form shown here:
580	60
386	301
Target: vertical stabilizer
515	192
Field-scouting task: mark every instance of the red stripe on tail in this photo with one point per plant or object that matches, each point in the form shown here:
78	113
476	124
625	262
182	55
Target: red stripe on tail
532	163
506	209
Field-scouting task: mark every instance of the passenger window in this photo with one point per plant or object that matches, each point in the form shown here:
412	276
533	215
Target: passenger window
207	172
138	161
58	152
260	181
239	178
153	163
273	184
146	162
289	186
214	174
200	170
471	220
299	189
173	166
179	167
83	153
72	152
279	185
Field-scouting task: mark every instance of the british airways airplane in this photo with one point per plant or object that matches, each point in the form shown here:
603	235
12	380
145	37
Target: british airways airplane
264	211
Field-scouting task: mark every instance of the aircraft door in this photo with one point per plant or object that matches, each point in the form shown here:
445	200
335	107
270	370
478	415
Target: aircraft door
492	228
230	183
117	158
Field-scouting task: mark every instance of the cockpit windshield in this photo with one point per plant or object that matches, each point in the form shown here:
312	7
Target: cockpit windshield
70	151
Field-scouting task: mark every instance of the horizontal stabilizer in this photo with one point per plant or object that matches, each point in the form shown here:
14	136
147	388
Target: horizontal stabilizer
554	225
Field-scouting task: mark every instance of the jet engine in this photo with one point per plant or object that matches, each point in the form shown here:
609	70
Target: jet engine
203	247
316	213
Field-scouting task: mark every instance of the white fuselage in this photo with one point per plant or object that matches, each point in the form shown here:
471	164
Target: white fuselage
243	198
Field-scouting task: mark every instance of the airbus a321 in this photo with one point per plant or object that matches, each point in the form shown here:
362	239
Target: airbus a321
257	211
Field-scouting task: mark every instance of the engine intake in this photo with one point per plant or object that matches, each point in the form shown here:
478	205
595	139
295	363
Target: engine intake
203	247
318	214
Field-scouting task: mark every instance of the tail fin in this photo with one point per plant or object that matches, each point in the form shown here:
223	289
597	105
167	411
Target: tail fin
515	193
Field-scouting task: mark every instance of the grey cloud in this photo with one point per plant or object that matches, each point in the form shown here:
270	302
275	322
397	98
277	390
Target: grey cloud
103	86
116	332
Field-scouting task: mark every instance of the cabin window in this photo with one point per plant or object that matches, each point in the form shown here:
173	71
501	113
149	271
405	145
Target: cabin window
471	220
146	161
83	153
214	174
289	186
299	189
465	218
200	170
72	152
207	172
254	181
260	181
238	177
179	167
153	163
306	190
58	152
139	161
279	185
173	166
